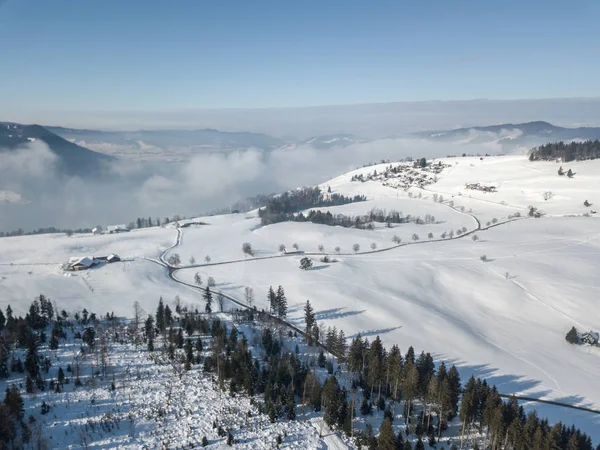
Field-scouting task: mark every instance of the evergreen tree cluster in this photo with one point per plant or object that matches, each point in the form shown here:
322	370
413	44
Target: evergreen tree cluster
283	207
277	302
508	426
28	334
572	151
365	222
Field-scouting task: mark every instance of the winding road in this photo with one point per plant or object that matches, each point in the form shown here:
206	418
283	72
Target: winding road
173	270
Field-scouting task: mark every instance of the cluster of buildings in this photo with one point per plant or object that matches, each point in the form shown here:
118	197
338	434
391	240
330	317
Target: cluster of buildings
111	229
77	263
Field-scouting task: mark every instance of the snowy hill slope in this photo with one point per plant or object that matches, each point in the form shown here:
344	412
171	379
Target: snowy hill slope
504	319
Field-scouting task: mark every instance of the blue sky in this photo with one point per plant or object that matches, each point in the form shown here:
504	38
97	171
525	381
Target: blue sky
153	55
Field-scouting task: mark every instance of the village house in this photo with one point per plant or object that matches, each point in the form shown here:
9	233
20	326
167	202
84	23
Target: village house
77	263
116	229
590	338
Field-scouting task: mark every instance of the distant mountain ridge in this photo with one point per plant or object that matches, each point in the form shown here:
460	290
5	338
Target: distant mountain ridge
511	135
208	138
73	159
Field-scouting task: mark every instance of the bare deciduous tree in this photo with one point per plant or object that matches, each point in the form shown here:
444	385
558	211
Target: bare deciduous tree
373	246
338	249
321	248
210	282
295	246
198	279
137	317
174	260
475	238
396	240
249	295
282	248
356	248
207	259
192	260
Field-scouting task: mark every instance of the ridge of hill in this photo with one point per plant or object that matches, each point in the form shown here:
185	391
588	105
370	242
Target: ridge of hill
73	159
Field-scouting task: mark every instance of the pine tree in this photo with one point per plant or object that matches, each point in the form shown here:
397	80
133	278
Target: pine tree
291	404
10	320
572	336
2	319
149	327
14	402
32	358
160	316
168	316
400	440
189	354
3	359
272	298
309	320
208	298
29	385
281	302
179	339
386	439
454	387
53	344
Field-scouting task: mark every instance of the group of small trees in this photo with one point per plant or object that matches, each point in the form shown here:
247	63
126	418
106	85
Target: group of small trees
285	206
277	302
174	260
210	281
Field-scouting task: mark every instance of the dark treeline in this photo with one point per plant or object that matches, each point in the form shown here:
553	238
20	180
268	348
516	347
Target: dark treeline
283	207
573	151
365	222
49	230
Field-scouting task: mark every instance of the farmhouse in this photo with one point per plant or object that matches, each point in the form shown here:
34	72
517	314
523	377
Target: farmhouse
81	263
77	263
109	259
590	338
116	229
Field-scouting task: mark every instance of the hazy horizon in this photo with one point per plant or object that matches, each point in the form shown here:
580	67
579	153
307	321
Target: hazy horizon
371	120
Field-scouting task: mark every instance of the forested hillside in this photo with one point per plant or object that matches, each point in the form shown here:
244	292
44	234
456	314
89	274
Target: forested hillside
572	151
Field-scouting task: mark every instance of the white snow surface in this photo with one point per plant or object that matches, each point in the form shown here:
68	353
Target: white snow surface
504	319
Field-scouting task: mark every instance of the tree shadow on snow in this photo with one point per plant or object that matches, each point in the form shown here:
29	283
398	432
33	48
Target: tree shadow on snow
321	267
335	313
375	332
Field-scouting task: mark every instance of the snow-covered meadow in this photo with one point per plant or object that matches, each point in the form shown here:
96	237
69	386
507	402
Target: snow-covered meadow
504	319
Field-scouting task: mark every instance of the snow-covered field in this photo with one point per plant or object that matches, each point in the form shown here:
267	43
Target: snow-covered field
504	319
